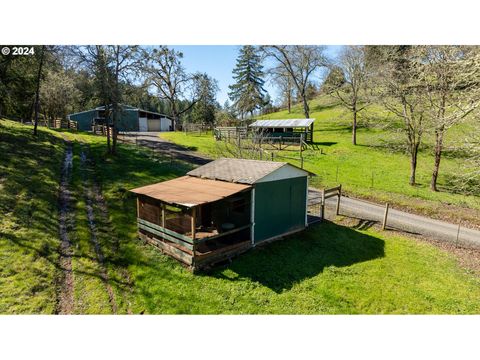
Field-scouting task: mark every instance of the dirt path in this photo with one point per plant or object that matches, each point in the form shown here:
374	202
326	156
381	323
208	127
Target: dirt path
65	301
91	196
94	200
153	141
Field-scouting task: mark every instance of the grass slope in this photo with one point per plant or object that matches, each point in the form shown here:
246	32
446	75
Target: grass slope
327	269
376	168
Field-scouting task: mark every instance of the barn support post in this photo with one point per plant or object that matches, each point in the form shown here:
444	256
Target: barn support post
138	208
194	221
163	215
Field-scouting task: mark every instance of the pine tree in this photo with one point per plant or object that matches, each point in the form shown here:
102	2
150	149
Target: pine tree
248	94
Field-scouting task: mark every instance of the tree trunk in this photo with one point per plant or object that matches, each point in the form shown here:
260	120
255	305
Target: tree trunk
306	109
37	92
114	129
438	156
289	101
354	127
413	163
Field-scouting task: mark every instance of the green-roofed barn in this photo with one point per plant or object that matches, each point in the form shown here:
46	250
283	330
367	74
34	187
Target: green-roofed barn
130	119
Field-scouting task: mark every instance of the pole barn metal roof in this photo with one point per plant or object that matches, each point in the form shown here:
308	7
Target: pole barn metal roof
287	123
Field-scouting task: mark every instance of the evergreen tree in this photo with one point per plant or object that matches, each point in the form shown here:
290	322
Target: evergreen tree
248	94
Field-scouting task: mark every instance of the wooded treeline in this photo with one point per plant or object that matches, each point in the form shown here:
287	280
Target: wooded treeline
423	89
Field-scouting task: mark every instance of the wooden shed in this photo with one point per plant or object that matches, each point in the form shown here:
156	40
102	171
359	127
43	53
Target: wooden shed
223	208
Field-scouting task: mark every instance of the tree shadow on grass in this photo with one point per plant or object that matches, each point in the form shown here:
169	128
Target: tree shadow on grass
282	264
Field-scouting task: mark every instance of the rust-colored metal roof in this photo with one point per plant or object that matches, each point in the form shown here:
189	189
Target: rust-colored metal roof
190	191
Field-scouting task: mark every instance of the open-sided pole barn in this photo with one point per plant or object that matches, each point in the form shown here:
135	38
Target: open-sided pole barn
285	128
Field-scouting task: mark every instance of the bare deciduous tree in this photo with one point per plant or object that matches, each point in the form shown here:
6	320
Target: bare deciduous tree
301	62
166	73
450	78
398	89
351	62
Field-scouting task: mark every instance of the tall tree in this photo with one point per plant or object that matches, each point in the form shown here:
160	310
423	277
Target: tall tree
58	93
207	89
397	88
247	93
126	61
166	72
450	76
37	90
350	91
283	81
301	62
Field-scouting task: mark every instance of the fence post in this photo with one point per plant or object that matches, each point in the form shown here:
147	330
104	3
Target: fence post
272	156
322	205
385	216
338	200
458	235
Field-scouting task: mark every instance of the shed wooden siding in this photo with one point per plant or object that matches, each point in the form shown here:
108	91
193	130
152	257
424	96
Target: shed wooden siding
279	207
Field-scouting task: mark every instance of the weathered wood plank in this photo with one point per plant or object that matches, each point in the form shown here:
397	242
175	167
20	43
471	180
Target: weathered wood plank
169	250
229	232
165	230
165	236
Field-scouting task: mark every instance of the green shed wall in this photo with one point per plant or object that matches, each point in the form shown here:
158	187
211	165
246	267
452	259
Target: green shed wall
84	119
279	207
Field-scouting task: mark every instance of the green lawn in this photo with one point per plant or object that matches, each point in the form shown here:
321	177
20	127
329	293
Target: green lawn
328	269
375	168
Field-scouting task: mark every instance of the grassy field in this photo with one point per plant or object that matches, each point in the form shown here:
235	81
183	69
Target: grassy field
376	168
328	269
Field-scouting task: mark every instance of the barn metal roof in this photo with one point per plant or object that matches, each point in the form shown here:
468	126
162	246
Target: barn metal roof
125	108
190	191
287	123
244	171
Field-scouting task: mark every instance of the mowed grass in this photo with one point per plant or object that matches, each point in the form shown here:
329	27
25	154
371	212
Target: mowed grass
328	269
376	168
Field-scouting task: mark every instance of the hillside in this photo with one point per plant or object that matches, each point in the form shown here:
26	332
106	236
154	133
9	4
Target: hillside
377	168
330	268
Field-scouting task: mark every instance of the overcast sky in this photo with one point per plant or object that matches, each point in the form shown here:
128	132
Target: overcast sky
219	60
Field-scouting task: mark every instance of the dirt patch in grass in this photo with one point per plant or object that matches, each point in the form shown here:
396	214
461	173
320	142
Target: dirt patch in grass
65	301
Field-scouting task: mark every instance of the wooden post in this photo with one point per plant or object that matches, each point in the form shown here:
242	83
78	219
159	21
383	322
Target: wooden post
385	216
322	205
194	219
458	235
163	215
338	200
138	208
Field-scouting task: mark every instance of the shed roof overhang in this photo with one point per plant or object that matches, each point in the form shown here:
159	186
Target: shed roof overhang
190	191
286	123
